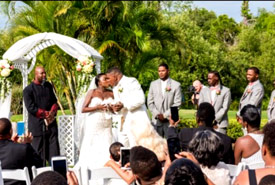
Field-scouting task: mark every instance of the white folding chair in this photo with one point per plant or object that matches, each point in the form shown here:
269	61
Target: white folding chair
18	174
104	173
235	170
37	171
255	165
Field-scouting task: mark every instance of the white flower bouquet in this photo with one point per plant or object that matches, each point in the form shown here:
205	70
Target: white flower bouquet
85	64
6	67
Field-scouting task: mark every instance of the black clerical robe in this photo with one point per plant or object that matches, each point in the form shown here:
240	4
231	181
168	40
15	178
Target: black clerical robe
38	100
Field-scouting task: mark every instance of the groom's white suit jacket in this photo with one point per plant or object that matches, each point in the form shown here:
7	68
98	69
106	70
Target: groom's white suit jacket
129	92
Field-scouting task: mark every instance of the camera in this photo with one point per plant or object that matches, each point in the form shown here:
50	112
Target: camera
191	89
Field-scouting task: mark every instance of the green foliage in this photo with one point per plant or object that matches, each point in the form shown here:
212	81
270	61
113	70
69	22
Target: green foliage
234	129
245	10
17	100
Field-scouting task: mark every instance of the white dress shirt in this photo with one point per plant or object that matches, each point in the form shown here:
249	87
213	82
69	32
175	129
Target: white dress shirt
163	86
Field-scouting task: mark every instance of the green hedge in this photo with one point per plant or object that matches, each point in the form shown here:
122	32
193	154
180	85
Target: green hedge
234	129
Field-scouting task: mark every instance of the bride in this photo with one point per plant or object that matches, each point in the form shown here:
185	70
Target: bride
97	138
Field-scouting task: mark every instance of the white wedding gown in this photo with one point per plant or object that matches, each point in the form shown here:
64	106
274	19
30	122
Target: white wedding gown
94	151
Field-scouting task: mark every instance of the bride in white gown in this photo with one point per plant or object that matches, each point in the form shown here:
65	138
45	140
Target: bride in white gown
97	138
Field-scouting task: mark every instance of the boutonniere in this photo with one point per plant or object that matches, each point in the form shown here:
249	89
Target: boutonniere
218	91
120	89
167	89
248	91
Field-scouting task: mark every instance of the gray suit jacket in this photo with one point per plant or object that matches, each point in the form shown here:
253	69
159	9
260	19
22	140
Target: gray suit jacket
159	104
221	103
271	107
254	97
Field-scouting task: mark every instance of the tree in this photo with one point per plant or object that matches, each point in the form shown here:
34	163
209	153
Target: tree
245	12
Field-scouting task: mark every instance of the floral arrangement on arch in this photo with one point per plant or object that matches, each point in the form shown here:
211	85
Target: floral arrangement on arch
6	68
85	64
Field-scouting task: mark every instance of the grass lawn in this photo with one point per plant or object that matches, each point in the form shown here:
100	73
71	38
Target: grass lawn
184	114
190	113
19	117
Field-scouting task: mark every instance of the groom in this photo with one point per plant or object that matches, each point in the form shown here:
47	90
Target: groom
130	103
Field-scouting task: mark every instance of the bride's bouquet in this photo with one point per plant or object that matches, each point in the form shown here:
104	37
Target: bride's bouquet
6	67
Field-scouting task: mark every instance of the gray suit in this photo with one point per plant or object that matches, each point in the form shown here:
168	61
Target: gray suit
254	97
271	107
221	104
159	104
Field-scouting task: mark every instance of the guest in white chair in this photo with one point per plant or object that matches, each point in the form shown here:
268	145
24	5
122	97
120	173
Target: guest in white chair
248	148
251	177
54	178
15	155
207	148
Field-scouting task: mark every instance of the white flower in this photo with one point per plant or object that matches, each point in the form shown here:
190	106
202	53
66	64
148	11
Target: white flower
5	72
83	58
3	62
78	67
7	66
87	69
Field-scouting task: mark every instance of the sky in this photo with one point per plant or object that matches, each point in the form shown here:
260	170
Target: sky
231	8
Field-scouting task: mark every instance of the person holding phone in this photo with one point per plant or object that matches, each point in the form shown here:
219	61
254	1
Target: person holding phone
15	152
205	119
42	107
163	94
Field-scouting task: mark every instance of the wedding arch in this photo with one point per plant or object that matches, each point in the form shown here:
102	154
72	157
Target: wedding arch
26	49
23	56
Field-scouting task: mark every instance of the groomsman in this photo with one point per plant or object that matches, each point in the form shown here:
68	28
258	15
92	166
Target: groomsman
254	91
219	97
163	94
271	105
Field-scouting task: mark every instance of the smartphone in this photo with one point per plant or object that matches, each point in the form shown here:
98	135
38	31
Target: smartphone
174	113
124	157
173	147
59	164
20	128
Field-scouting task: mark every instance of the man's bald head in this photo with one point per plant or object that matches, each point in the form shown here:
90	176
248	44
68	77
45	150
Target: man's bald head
5	128
198	85
40	74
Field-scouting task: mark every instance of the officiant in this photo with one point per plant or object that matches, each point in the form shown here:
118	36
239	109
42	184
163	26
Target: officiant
42	107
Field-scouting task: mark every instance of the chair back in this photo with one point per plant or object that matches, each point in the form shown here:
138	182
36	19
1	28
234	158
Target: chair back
235	170
255	165
18	174
77	171
104	173
1	179
37	171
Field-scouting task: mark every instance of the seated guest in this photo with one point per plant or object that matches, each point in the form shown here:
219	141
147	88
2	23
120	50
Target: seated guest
268	155
15	155
115	151
184	171
248	148
268	180
54	178
207	148
126	175
145	166
205	119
